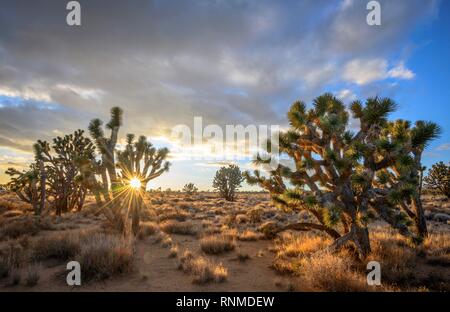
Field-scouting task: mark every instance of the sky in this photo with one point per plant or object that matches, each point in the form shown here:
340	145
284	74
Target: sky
230	62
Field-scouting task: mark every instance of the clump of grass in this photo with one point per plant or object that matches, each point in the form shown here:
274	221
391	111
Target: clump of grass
299	246
54	247
173	252
249	236
175	227
203	270
173	215
14	278
32	276
11	258
331	272
217	244
103	256
437	249
147	229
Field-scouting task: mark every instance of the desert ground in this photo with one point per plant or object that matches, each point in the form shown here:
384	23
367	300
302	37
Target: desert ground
201	242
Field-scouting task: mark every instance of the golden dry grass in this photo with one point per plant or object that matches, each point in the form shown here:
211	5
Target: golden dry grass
217	244
202	269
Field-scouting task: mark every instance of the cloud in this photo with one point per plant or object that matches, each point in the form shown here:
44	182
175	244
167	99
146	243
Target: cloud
165	62
365	71
443	147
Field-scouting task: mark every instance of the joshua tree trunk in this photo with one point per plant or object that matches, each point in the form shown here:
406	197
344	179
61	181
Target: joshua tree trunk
43	175
421	223
359	236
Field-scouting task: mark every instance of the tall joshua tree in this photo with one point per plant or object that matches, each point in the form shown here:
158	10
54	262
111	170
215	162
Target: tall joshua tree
339	176
107	147
139	163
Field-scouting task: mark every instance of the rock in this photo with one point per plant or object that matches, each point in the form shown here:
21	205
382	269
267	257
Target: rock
441	217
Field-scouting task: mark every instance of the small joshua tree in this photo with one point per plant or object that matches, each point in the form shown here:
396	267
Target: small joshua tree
190	189
62	161
29	185
340	177
438	178
227	181
139	163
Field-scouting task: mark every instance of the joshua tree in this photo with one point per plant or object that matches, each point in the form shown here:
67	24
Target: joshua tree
107	147
62	167
29	186
139	163
190	189
227	181
338	176
439	178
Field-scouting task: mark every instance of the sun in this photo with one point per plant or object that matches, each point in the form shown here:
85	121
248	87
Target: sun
135	183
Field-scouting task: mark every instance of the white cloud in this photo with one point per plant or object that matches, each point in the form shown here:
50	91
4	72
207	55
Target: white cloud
401	72
365	71
443	147
85	93
346	95
29	92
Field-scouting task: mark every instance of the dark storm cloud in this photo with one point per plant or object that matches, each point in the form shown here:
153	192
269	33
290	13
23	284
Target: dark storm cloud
166	61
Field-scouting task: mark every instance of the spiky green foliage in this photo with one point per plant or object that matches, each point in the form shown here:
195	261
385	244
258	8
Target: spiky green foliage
62	162
337	176
227	180
438	178
190	188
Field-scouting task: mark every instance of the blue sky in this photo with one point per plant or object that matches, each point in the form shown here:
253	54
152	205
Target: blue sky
230	62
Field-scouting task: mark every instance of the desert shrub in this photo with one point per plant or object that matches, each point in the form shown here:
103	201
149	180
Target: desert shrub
217	244
175	227
54	247
255	215
103	256
227	180
248	235
147	229
203	270
242	218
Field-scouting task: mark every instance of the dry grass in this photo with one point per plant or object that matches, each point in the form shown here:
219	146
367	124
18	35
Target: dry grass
55	247
20	227
175	227
32	275
11	258
249	235
203	270
300	245
396	256
437	249
103	256
147	229
217	244
331	272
